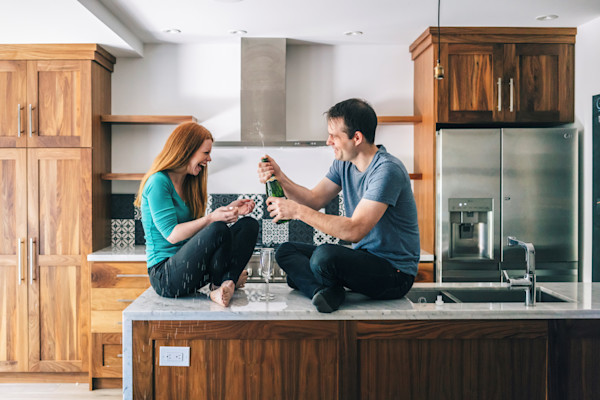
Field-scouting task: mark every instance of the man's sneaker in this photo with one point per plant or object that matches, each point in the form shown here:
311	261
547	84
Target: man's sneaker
329	299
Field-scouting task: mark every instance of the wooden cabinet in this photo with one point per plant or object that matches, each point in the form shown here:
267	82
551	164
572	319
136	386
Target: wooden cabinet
53	204
47	105
114	286
493	77
506	82
369	359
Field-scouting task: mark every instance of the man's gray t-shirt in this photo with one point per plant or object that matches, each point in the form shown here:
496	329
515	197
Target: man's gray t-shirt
396	236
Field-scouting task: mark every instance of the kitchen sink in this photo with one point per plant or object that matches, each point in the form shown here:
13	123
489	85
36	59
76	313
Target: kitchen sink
480	295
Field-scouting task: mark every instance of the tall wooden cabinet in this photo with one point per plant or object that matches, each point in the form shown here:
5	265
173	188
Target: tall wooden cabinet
493	77
53	203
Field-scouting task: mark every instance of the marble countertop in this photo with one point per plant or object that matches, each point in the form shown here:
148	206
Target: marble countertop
292	305
138	253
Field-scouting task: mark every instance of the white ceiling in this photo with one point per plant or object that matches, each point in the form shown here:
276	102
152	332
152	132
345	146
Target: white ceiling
123	26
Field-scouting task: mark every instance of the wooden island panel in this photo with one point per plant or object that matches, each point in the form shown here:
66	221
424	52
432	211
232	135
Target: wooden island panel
377	359
239	359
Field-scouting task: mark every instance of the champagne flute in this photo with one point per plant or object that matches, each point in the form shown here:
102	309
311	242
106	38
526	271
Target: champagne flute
266	269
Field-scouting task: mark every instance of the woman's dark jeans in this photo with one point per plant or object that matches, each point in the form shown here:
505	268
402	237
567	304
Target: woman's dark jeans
214	255
311	268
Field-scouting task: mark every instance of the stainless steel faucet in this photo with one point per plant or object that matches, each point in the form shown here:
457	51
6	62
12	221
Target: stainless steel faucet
528	280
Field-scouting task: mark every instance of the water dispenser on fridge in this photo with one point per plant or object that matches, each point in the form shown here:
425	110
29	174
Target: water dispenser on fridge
472	229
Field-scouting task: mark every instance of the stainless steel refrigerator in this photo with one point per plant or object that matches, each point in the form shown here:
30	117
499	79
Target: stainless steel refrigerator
495	183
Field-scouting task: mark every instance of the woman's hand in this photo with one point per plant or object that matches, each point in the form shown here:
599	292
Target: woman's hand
244	206
267	169
228	214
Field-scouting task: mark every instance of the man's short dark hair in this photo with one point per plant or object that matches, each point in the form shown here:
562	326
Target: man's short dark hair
358	115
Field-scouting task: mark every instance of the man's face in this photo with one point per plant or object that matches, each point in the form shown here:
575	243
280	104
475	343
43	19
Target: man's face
343	148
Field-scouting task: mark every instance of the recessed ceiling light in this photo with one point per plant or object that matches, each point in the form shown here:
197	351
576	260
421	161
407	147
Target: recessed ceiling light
546	17
172	30
238	32
353	33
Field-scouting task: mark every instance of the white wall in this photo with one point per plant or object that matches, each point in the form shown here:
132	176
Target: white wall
587	84
204	81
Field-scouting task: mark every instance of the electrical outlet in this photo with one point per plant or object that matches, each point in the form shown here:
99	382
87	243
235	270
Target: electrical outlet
174	356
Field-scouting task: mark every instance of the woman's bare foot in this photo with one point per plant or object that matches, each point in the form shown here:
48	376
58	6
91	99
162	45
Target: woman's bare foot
241	282
222	295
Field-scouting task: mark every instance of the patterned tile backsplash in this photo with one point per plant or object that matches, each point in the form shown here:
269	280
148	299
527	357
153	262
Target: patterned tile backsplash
127	230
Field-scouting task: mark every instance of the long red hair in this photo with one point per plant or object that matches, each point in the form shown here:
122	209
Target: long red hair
183	142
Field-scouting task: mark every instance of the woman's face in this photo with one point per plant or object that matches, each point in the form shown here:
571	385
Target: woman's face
200	158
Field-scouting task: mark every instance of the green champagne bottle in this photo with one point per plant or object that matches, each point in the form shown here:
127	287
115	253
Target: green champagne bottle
273	189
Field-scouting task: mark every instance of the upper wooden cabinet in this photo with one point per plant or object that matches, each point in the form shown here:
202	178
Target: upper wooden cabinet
49	94
512	75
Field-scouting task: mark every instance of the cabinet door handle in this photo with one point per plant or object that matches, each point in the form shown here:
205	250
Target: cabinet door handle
31	267
20	257
19	108
511	94
31	120
499	94
125	300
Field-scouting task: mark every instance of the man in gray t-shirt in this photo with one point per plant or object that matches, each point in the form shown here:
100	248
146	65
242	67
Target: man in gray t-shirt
380	221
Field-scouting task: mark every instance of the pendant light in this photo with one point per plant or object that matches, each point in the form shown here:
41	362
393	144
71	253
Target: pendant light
438	71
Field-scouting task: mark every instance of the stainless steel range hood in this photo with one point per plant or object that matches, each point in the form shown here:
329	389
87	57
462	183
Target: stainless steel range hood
263	95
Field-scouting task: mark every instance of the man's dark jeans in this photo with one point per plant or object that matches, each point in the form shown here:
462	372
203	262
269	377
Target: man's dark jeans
311	268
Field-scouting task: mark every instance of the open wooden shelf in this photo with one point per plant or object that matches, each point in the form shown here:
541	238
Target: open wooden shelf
147	119
389	120
122	177
138	177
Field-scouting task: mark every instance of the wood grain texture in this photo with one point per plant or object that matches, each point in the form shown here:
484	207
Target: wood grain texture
251	359
543	82
58	52
147	119
392	120
68	87
59	92
56	327
574	356
109	361
424	147
13	292
114	299
13	81
106	322
373	359
101	158
425	272
453	369
120	275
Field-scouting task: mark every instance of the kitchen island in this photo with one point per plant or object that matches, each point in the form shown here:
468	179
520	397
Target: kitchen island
284	348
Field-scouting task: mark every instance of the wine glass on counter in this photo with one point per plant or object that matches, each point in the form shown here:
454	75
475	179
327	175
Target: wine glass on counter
266	270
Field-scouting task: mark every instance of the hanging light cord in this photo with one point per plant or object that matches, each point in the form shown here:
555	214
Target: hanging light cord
439	42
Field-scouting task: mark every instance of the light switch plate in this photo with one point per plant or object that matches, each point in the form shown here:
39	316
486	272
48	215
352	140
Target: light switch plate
174	356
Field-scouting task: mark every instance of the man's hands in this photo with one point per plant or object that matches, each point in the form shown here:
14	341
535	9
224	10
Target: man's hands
282	209
267	169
